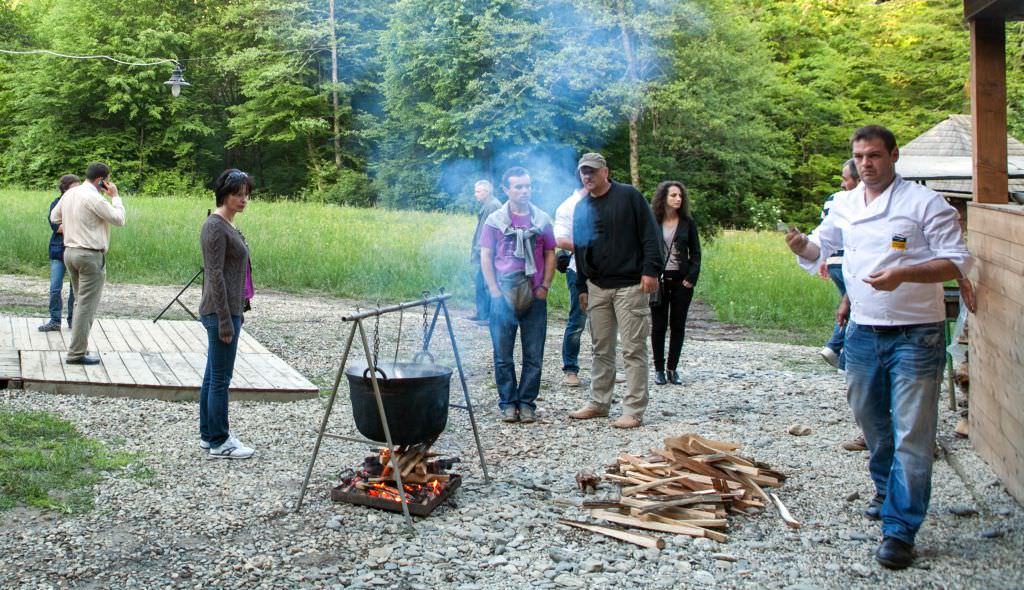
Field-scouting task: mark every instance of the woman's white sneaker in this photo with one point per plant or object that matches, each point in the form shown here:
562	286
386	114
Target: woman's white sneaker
232	448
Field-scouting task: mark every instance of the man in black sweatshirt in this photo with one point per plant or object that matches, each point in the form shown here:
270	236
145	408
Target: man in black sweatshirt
618	262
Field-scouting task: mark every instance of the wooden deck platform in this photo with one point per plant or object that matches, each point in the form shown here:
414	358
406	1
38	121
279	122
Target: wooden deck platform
163	360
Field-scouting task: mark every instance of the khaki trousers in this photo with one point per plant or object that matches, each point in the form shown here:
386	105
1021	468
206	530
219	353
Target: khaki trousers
615	313
88	273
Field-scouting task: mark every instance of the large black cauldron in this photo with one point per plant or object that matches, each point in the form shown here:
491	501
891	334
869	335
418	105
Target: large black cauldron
415	397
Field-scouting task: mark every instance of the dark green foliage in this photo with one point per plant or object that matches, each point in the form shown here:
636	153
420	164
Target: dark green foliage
749	102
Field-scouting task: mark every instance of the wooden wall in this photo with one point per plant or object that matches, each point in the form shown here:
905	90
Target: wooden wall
996	238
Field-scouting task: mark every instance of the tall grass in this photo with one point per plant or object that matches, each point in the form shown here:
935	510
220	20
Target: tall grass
350	252
750	278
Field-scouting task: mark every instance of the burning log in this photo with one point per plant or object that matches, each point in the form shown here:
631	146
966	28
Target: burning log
424	481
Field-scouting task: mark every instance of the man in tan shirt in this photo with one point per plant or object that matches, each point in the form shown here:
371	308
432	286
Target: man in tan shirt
87	218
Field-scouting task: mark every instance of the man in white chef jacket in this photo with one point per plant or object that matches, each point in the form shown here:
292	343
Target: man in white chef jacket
901	242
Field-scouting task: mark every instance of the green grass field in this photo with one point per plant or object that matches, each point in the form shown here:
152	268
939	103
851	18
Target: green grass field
46	463
750	278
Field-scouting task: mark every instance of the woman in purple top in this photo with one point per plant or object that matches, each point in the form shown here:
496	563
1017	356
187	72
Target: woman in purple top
227	288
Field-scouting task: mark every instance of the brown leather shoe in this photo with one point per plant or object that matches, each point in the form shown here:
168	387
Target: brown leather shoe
571	380
587	412
627	421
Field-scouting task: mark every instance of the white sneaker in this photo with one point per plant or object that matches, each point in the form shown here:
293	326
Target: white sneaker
206	446
231	449
829	356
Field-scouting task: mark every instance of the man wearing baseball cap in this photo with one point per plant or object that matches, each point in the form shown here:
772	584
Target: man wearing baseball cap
618	261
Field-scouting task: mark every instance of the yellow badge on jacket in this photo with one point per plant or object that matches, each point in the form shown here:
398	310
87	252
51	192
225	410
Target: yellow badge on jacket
899	242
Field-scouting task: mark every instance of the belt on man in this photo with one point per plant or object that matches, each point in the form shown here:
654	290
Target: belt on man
89	249
899	328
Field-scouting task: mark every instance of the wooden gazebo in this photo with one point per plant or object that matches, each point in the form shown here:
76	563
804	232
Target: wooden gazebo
996	238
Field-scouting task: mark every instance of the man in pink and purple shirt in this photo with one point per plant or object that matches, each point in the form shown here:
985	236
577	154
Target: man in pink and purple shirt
517	257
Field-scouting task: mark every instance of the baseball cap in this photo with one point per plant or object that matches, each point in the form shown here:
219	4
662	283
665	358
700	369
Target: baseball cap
593	160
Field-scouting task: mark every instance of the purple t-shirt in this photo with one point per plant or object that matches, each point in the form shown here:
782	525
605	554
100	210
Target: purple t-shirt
503	246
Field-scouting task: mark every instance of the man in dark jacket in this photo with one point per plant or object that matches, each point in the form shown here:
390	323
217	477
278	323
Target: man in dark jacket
57	268
618	261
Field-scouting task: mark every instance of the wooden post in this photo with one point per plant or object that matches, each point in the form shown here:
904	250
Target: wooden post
988	110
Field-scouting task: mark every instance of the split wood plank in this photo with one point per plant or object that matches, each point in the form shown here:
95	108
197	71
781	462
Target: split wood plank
73	373
258	373
650	525
245	344
55	341
281	375
197	360
173	338
37	338
52	369
96	373
10	364
637	539
19	331
98	340
32	365
6	336
184	371
116	370
257	348
245	376
784	512
129	336
138	368
163	373
112	334
194	333
160	338
146	340
292	378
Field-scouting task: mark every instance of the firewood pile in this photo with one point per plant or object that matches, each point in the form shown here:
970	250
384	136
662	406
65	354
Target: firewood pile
687	488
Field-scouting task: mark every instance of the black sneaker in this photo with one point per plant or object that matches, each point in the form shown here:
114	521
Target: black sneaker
50	326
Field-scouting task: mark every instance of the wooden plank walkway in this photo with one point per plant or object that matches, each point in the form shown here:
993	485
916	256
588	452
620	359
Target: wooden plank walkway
163	360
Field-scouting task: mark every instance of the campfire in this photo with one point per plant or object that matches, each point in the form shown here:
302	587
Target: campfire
423	474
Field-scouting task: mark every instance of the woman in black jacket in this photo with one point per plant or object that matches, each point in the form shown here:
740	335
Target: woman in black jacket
680	249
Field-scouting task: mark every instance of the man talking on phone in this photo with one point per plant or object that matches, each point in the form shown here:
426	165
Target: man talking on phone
87	217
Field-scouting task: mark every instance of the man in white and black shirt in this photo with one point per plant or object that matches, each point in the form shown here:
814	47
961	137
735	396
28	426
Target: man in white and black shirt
901	241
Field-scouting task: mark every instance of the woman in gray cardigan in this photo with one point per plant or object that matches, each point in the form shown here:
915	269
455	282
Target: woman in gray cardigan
227	288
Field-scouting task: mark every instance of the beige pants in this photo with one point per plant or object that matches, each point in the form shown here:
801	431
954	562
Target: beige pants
88	273
615	313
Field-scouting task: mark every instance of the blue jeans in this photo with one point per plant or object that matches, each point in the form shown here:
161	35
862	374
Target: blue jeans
483	296
893	380
57	270
213	395
835	271
532	326
573	327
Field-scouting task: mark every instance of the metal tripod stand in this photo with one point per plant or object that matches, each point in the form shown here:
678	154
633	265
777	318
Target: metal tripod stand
178	301
357	325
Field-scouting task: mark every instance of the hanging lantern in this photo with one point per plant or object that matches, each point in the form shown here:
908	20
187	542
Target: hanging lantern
177	80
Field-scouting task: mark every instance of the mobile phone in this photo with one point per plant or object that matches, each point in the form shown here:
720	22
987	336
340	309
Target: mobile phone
102	185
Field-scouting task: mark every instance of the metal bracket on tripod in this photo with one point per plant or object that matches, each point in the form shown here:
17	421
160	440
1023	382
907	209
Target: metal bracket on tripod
357	325
178	301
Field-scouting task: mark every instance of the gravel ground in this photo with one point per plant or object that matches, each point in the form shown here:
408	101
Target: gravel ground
200	523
